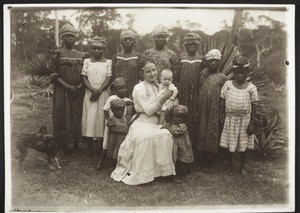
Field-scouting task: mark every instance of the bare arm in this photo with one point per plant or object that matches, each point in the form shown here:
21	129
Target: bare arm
106	114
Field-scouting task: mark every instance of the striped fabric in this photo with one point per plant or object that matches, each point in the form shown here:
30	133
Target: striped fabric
238	113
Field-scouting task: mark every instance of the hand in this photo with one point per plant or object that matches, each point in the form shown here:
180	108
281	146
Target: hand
94	97
251	128
73	89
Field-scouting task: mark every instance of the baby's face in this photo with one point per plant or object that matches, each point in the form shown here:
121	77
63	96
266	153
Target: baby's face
166	78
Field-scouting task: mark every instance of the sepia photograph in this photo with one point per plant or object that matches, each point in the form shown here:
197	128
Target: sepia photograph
149	107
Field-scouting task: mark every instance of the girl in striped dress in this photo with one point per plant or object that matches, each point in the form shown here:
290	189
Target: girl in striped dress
239	98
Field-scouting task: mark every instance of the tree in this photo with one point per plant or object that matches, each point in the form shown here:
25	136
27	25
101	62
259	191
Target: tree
266	40
98	19
27	30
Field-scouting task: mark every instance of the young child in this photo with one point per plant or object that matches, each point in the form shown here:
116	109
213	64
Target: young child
118	125
183	152
166	78
239	98
119	88
96	75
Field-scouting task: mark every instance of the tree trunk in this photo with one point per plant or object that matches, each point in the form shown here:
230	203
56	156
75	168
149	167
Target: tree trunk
56	30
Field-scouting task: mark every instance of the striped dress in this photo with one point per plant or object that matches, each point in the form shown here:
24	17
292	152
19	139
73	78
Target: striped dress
238	110
67	108
127	66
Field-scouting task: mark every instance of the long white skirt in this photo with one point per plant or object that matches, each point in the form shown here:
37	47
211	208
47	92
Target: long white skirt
145	153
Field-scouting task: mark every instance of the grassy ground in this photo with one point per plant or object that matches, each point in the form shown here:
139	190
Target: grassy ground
79	186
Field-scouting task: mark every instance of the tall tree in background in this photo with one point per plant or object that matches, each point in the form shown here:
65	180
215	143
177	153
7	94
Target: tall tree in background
267	42
27	29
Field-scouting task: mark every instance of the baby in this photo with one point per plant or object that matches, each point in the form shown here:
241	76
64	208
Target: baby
166	78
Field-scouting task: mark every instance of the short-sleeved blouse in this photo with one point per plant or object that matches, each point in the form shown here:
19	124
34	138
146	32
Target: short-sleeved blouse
238	101
96	72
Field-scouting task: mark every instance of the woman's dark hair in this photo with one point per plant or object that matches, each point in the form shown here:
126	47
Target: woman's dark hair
147	61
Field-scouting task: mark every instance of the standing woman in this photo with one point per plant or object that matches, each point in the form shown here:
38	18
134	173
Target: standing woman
163	57
146	152
208	128
126	63
190	68
96	75
66	65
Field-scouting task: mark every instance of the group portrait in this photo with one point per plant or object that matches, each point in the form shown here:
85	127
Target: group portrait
112	107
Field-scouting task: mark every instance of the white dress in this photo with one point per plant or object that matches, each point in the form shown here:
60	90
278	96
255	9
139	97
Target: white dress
146	152
93	116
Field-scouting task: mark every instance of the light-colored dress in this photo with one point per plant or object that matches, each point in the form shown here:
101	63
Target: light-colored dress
168	104
146	152
107	108
238	110
93	116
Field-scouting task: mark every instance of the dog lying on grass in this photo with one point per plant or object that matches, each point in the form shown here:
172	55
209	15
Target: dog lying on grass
42	142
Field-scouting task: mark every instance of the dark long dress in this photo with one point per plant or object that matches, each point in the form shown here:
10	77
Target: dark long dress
164	59
127	66
208	129
67	108
189	73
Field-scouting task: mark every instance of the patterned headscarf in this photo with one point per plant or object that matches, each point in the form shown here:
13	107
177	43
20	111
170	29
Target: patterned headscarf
99	42
213	54
160	30
180	110
191	38
117	103
68	29
240	62
127	34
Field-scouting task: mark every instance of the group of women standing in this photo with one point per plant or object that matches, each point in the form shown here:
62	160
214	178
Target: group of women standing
82	88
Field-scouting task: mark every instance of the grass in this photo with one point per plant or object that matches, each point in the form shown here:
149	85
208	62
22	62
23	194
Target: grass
78	186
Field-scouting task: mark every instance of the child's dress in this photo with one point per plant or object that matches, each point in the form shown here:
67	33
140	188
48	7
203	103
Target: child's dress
168	104
93	116
182	149
107	108
118	129
238	113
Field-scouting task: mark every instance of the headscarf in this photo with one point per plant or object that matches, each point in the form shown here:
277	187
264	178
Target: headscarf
180	110
98	41
68	29
190	38
240	62
213	54
127	34
160	30
117	103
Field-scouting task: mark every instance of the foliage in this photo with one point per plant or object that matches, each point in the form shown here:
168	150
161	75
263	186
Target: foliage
269	137
37	65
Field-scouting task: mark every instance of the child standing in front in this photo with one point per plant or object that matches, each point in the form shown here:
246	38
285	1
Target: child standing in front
183	152
166	79
96	74
118	125
119	88
238	98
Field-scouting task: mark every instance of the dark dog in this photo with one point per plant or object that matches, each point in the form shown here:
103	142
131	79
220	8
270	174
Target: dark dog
42	142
